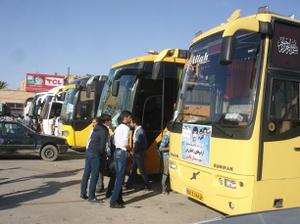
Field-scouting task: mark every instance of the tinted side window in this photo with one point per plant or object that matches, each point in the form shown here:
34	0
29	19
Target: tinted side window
85	107
2	129
13	129
285	44
152	113
284	113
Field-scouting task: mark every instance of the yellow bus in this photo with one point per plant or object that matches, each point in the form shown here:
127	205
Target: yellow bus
234	142
148	87
79	108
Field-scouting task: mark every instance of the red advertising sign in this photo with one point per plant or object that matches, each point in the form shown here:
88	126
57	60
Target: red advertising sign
42	82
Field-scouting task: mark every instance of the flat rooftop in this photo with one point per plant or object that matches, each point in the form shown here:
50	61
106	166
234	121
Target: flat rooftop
14	96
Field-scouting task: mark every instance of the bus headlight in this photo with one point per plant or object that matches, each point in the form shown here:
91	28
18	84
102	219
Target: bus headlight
230	183
173	165
65	133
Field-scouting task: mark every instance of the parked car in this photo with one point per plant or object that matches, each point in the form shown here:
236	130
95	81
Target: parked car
17	138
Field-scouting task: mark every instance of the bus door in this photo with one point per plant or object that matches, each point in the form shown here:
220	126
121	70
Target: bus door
280	154
151	117
152	123
280	149
53	110
147	106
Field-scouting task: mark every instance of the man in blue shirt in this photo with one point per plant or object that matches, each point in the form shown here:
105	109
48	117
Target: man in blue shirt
139	153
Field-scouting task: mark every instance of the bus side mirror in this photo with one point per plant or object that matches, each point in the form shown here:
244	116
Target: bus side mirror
115	87
88	91
227	50
89	85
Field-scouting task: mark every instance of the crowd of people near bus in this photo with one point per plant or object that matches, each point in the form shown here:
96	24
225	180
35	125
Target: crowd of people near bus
108	152
27	120
34	123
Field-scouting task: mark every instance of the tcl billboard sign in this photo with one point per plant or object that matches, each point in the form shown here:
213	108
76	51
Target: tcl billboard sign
42	82
50	81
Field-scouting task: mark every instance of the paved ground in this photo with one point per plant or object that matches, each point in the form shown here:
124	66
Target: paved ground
38	192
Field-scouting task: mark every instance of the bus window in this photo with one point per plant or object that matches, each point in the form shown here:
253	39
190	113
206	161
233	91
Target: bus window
284	108
56	109
46	108
85	106
240	79
152	113
239	84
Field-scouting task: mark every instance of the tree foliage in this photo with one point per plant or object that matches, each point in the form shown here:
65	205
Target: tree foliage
3	84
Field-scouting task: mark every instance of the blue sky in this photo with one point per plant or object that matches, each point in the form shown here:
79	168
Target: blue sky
48	36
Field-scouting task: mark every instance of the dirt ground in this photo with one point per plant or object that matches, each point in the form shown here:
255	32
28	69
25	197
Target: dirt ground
39	192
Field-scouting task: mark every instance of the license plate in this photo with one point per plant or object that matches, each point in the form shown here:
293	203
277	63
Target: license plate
194	194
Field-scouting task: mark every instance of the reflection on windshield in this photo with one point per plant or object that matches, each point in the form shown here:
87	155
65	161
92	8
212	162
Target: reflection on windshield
212	92
84	108
124	100
46	107
37	104
67	111
114	105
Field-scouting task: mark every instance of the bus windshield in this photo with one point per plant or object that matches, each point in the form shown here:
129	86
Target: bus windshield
67	111
114	105
46	108
37	103
214	93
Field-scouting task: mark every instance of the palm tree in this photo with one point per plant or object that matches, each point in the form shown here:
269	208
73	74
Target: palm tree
3	84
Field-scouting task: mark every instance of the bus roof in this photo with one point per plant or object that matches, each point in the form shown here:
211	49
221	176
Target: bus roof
55	90
264	17
175	56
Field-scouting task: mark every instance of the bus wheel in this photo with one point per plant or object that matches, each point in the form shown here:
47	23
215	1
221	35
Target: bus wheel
49	153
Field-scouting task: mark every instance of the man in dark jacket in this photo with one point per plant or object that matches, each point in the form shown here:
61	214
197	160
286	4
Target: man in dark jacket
94	150
139	153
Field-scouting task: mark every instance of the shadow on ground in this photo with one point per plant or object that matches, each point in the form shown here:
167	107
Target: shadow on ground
69	155
15	199
138	187
60	174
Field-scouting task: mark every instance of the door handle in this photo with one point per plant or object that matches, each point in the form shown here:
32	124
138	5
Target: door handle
297	149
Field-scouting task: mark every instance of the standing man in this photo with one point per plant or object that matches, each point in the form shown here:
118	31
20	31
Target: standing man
164	152
121	139
139	153
57	126
107	123
20	119
27	121
94	150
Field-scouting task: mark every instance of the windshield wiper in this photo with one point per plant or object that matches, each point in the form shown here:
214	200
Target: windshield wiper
177	116
195	115
217	126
